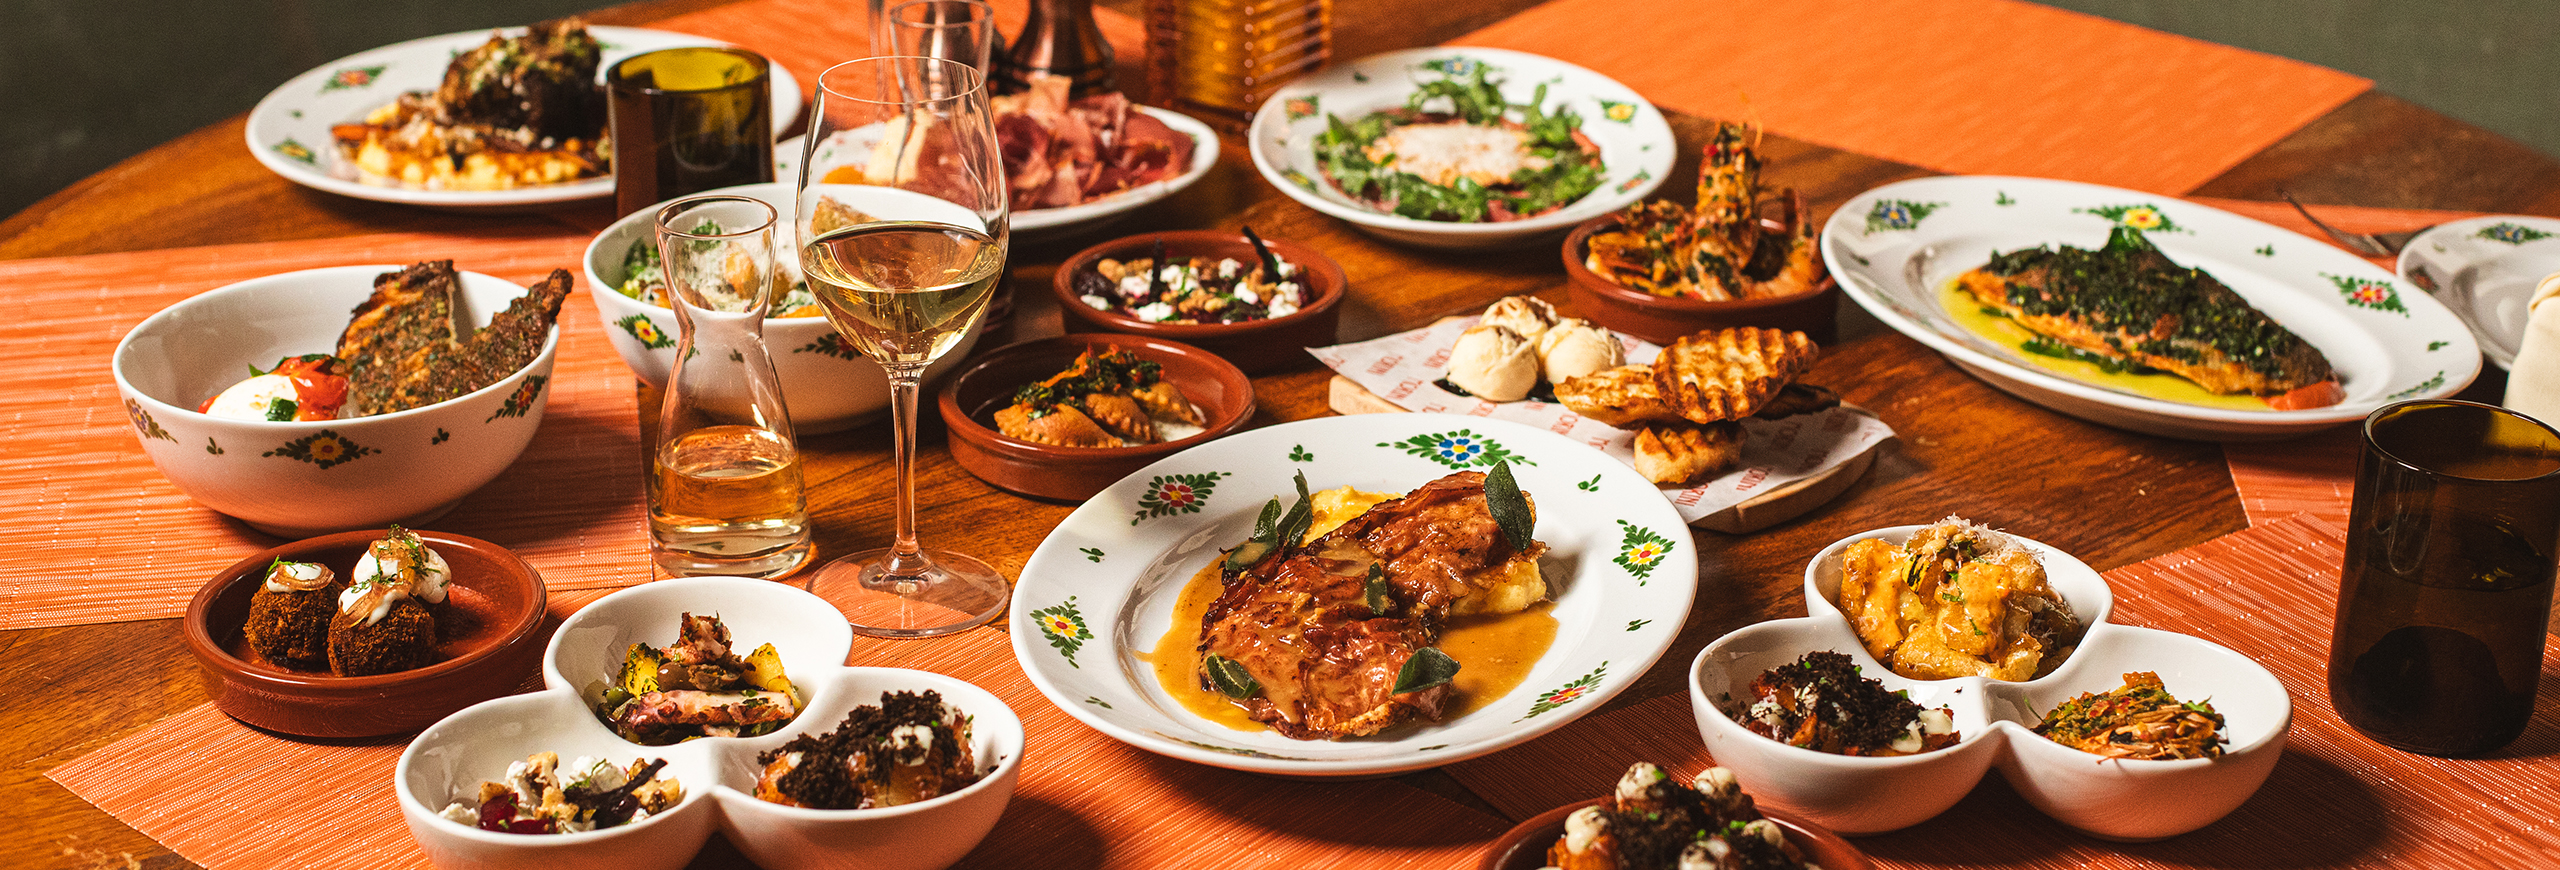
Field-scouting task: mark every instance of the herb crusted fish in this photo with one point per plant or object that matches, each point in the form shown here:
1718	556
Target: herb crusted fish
2129	305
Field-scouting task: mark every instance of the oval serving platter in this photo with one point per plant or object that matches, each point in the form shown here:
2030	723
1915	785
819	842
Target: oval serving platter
289	130
1895	246
1102	588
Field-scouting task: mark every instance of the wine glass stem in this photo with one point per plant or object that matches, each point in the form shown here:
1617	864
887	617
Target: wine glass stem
906	557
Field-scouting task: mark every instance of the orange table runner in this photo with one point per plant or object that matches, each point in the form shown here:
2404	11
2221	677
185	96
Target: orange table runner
1963	86
91	532
227	796
2336	799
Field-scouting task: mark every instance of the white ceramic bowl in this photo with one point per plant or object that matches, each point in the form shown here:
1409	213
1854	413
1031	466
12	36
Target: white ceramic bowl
2113	799
1636	145
299	479
827	384
718	773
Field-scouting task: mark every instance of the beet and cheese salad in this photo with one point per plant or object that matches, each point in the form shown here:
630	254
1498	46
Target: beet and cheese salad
1458	150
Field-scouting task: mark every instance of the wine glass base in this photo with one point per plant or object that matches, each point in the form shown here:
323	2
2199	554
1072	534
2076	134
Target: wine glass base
954	593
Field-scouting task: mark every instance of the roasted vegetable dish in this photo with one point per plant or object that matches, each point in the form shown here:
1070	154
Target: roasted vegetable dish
1326	634
1821	702
1721	250
1195	289
2128	307
697	687
517	111
1956	600
911	747
539	796
1458	150
1650	822
2138	720
1106	398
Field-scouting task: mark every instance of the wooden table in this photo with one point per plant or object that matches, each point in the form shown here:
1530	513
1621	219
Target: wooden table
2159	495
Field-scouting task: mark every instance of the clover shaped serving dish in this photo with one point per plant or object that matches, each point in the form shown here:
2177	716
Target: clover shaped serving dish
2117	799
451	758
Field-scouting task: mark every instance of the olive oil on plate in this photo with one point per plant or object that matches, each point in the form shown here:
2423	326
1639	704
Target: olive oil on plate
2014	338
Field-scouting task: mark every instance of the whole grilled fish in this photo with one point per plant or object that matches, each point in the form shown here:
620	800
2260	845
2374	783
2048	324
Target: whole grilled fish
2129	303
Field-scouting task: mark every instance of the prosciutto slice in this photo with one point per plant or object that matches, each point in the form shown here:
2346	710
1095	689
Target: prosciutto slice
1060	152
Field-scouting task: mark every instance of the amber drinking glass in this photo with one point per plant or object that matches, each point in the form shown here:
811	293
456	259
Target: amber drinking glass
903	224
2446	591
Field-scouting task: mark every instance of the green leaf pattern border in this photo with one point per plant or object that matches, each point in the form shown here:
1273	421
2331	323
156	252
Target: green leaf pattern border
1169	494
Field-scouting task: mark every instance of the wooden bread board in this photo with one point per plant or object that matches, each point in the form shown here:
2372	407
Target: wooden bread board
1762	511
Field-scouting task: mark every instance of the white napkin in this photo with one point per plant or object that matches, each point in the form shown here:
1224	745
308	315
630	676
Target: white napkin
2533	384
1400	368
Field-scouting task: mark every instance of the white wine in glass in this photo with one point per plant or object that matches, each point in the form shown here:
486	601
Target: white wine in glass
903	209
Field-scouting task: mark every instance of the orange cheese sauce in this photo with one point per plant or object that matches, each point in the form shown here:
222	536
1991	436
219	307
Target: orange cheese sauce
1968	312
1495	653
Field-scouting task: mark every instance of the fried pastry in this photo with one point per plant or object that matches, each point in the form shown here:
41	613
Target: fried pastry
1058	425
1620	397
1677	453
1728	374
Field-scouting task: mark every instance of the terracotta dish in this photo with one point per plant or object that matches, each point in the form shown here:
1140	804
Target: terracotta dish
1524	847
969	402
490	650
1662	320
1256	346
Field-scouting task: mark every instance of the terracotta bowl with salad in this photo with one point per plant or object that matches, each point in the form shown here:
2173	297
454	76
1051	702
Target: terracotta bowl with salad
1215	292
828	385
1063	418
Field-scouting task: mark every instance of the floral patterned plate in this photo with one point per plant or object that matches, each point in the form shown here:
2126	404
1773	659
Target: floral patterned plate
1896	247
2485	269
1100	592
289	130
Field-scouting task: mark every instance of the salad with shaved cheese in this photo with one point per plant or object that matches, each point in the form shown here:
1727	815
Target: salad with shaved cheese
1458	150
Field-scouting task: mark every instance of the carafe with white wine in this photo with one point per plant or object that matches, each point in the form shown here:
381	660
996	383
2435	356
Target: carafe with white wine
724	480
905	229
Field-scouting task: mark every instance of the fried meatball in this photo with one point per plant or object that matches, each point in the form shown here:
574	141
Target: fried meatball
290	629
403	639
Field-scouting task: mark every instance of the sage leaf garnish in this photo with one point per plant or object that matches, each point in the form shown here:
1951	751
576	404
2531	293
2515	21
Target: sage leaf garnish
1300	517
1510	508
1265	537
1230	678
1377	590
1427	668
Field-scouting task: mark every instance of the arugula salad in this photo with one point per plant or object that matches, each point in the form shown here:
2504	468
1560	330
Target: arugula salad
1458	151
645	278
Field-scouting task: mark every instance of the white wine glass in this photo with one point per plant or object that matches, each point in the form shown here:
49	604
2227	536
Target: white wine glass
903	224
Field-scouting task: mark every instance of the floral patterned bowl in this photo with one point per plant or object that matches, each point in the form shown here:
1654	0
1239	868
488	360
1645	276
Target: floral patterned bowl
827	385
1102	590
298	479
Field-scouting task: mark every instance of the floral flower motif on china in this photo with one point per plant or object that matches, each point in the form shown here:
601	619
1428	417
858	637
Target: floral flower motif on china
646	332
1567	693
1641	550
143	423
1899	214
521	401
1064	628
830	344
2510	233
2376	295
1176	494
293	150
325	448
1458	450
354	77
2141	216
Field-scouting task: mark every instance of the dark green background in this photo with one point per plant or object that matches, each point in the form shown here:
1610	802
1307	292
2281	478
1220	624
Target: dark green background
91	83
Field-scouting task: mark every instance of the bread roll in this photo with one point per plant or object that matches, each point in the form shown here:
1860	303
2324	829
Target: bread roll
1494	363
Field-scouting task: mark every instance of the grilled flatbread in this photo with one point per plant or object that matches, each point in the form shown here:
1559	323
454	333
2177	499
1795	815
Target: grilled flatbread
1728	374
1676	453
398	336
1620	397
